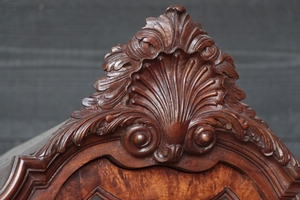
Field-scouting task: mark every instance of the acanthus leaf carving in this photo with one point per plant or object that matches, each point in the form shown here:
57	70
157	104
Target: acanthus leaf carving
167	92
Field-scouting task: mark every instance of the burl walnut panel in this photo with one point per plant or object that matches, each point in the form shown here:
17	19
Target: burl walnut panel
104	179
169	117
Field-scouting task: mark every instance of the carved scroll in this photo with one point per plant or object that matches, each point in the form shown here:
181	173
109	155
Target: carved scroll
169	98
167	92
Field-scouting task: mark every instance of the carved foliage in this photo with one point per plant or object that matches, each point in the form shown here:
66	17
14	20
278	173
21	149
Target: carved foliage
172	89
168	91
171	31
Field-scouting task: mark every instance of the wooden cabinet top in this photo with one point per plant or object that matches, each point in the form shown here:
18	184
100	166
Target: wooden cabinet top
166	122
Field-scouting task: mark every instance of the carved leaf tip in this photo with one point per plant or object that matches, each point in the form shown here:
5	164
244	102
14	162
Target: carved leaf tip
176	7
169	72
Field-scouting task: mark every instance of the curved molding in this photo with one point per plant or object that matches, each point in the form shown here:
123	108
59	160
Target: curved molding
170	88
227	193
167	96
39	176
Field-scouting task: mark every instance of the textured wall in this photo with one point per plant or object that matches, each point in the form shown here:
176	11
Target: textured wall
51	55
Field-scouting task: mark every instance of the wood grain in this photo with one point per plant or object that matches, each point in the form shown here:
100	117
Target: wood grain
156	183
169	116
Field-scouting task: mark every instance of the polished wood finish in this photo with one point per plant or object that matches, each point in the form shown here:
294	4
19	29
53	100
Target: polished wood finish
166	122
154	183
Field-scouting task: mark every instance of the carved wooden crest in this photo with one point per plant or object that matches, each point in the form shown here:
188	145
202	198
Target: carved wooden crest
169	98
167	92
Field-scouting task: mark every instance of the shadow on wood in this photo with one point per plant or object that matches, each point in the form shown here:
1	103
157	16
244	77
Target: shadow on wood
166	122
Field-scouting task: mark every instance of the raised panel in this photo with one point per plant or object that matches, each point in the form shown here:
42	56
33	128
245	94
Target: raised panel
169	116
226	194
157	183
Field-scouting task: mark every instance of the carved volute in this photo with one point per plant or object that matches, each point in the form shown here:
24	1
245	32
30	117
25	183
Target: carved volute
168	91
168	99
162	89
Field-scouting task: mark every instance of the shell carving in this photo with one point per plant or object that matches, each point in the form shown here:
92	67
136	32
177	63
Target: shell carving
168	92
173	88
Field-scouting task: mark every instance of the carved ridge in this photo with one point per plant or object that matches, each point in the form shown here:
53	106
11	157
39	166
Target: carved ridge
101	193
227	194
170	52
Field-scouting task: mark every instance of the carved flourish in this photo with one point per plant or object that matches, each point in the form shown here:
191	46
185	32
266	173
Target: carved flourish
166	92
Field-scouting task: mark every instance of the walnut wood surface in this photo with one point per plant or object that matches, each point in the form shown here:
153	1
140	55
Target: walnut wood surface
170	88
167	114
154	183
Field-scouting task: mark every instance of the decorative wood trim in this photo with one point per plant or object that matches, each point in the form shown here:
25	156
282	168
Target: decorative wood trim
170	85
167	96
101	193
226	194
